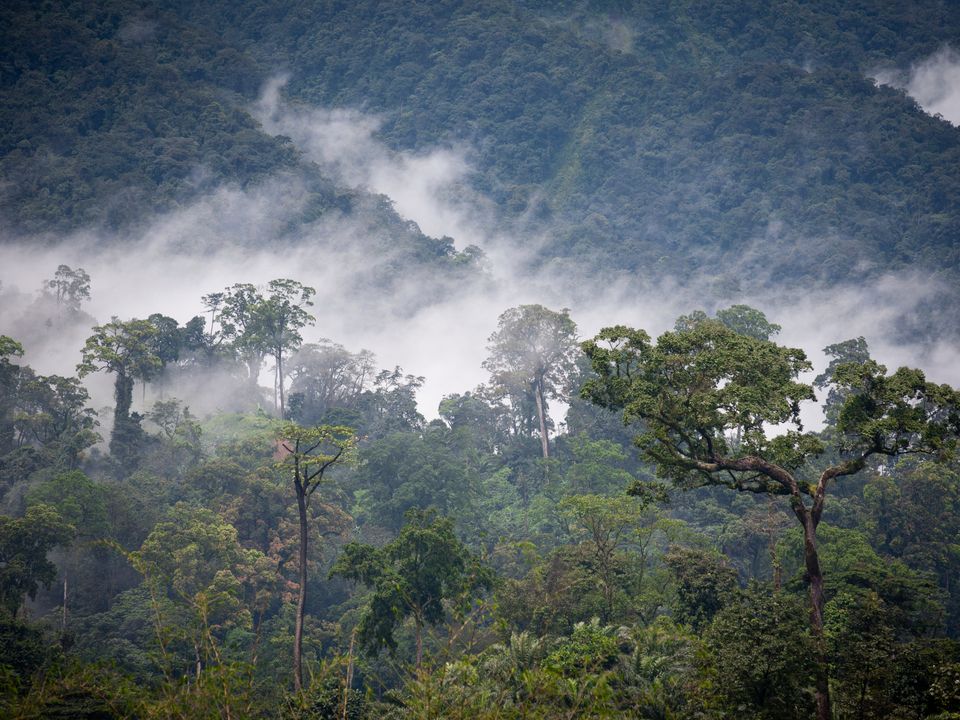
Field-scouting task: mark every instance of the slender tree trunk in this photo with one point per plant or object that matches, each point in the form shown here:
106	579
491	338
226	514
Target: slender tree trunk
283	413
541	415
253	369
63	617
302	595
348	681
814	578
419	625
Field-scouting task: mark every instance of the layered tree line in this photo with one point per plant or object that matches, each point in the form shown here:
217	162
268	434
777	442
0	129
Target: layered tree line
656	138
676	545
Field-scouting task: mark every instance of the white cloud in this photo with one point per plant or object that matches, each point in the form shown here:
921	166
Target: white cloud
229	236
427	188
934	83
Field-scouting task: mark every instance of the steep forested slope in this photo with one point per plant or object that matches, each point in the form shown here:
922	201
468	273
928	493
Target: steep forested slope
659	137
109	112
117	111
686	135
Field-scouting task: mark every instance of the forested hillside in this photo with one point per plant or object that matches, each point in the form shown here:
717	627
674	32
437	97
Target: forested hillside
629	492
660	135
322	551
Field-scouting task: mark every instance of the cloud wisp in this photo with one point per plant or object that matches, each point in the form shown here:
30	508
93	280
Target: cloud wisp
934	83
420	320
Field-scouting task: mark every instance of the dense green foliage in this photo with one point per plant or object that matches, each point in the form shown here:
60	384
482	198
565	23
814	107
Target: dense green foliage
650	137
448	569
677	545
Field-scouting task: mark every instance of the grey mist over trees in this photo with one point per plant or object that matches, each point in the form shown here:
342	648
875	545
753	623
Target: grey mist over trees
434	317
532	360
299	417
436	337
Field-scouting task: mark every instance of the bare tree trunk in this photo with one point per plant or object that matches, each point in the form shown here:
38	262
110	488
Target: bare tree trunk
541	415
283	413
302	595
419	625
814	577
253	370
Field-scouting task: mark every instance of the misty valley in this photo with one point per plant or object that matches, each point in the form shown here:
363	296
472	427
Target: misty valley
485	361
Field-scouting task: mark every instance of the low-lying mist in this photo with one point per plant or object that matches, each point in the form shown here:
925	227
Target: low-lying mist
429	323
933	82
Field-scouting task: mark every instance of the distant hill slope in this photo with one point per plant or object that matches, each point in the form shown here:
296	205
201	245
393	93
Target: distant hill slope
654	137
116	111
111	110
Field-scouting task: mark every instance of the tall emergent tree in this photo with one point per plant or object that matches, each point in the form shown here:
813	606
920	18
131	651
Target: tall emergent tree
262	322
532	356
326	377
722	408
309	453
854	350
125	349
70	287
278	319
10	350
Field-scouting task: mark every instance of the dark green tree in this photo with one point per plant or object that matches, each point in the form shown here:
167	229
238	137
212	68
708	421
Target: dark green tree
703	581
52	416
127	350
10	350
411	469
709	398
412	576
24	544
764	656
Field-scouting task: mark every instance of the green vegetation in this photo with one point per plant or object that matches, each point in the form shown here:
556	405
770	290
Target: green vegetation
744	140
620	527
450	568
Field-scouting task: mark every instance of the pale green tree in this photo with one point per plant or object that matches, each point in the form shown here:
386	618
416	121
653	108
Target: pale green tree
532	357
70	287
264	321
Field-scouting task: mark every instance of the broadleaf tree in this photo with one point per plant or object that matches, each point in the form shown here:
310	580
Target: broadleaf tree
412	576
722	408
70	287
126	349
532	357
308	454
262	322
